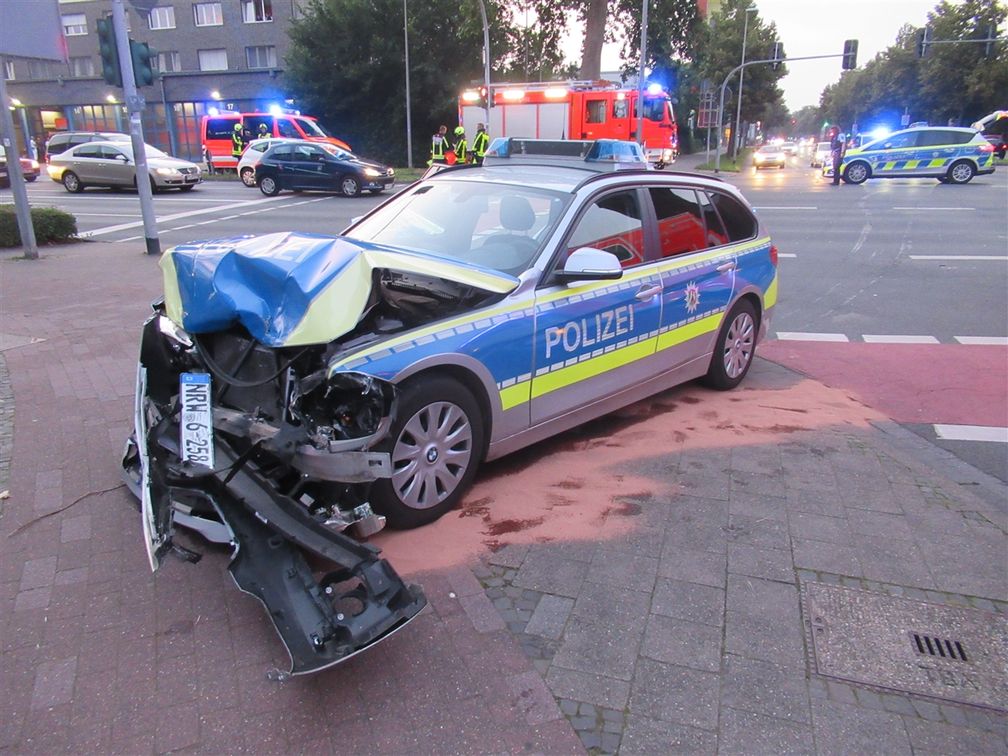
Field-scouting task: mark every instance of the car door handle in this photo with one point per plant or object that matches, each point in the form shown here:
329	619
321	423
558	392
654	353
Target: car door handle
725	267
647	292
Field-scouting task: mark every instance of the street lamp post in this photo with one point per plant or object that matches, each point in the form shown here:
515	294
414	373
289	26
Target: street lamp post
640	73
486	60
409	119
738	112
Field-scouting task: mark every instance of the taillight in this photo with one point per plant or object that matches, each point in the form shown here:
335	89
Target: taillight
987	147
773	255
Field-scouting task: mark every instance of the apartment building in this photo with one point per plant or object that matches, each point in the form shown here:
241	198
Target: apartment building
211	55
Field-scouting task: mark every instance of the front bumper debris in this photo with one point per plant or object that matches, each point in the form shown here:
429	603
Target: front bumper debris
328	595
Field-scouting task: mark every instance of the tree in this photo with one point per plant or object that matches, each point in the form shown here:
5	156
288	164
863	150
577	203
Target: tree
807	120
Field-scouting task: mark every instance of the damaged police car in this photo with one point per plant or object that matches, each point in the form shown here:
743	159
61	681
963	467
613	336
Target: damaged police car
296	392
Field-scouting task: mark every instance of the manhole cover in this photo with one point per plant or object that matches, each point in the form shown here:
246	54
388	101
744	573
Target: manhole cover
911	646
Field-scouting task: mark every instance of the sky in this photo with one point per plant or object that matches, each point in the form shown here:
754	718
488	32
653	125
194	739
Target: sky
819	27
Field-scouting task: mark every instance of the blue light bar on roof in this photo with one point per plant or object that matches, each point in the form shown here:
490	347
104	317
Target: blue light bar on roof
616	152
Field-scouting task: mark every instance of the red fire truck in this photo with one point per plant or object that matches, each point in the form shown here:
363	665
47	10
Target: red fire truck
575	110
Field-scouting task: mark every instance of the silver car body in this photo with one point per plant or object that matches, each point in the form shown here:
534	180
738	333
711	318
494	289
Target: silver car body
112	164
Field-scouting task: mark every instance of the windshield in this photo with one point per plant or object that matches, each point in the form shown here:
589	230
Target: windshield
495	226
312	128
655	108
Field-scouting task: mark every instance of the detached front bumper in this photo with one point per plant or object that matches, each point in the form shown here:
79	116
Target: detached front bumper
323	616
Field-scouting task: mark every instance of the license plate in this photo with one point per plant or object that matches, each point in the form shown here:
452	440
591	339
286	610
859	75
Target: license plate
196	423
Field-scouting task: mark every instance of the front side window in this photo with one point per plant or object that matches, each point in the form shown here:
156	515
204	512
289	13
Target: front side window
308	153
311	128
738	221
257	11
168	62
208	14
161	18
680	220
82	67
895	141
498	227
286	129
75	25
261	56
613	224
213	60
111	153
654	108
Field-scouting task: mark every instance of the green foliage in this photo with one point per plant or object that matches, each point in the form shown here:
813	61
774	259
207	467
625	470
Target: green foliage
51	225
953	82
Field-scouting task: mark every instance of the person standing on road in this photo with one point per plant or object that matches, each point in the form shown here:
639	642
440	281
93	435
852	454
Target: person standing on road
838	146
263	131
480	143
237	141
439	145
460	146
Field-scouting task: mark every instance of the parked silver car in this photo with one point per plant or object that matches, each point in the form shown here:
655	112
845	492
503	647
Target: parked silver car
111	164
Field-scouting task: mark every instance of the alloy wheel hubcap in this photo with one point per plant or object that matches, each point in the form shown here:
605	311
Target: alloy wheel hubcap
349	186
960	173
739	344
432	454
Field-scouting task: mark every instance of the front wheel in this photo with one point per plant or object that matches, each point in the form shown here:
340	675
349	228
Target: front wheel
734	349
248	176
961	172
856	173
435	443
376	191
349	186
71	183
269	186
188	188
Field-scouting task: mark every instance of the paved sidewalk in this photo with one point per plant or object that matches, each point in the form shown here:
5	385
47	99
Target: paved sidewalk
675	622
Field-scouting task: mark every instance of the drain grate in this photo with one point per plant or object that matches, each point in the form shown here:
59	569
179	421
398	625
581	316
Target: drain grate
947	649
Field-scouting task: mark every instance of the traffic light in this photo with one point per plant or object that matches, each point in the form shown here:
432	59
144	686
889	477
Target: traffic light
778	55
850	55
923	38
143	67
109	52
484	101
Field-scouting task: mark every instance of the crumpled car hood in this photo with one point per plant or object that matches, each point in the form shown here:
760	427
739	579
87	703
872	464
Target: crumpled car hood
292	289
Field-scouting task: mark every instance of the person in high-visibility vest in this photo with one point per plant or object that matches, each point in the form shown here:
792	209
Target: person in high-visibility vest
439	146
460	146
263	131
480	143
237	142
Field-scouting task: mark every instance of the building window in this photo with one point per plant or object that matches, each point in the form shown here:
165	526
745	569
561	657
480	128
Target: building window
213	60
162	18
75	25
82	68
262	56
9	70
39	69
257	11
168	62
208	14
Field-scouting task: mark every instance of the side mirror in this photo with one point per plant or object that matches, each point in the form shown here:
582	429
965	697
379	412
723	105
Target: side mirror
590	264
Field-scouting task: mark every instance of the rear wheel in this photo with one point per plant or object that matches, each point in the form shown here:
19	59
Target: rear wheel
856	173
30	179
961	172
72	183
734	349
435	444
349	186
188	188
248	176
269	186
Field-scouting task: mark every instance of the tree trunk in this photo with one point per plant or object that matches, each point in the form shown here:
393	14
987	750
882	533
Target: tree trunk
595	25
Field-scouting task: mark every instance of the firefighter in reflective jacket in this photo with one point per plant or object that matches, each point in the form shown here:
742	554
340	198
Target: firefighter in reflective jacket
480	143
460	146
237	143
439	146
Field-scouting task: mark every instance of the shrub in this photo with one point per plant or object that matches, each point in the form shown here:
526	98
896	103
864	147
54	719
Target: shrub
51	225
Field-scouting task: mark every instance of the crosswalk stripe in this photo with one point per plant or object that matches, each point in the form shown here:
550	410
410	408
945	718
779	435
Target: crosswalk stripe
795	336
971	433
898	339
983	340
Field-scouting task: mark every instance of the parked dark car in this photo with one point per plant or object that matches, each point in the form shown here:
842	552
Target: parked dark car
64	140
4	176
309	166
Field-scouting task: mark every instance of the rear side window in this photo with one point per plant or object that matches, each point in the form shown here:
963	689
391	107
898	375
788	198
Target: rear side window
680	220
57	145
936	137
738	221
81	139
716	234
220	128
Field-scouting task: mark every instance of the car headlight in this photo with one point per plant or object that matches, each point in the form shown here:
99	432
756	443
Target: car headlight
371	173
167	172
758	158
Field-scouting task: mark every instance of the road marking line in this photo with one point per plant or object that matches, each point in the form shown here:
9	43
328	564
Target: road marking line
786	254
795	336
105	215
786	207
971	433
898	339
999	258
130	238
174	216
929	209
983	340
178	228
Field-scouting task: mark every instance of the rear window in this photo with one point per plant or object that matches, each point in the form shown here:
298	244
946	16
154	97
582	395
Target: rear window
738	221
220	128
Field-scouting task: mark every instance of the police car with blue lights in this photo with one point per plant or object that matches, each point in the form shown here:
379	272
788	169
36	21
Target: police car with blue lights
345	382
951	155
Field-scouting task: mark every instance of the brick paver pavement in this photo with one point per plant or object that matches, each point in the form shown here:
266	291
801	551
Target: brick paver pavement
684	634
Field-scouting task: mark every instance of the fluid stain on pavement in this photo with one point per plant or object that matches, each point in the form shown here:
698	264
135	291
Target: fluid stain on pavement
575	486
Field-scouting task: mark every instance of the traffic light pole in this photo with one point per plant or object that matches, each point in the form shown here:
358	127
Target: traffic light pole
21	207
724	84
134	106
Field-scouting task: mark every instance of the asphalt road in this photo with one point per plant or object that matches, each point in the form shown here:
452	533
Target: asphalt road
896	288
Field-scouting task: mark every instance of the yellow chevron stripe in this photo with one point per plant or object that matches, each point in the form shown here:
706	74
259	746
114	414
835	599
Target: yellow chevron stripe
936	163
889	166
911	164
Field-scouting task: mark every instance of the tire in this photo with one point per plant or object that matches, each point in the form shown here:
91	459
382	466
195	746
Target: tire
153	186
734	349
436	444
376	191
72	183
188	188
857	173
349	186
961	172
269	186
30	179
248	177
943	180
